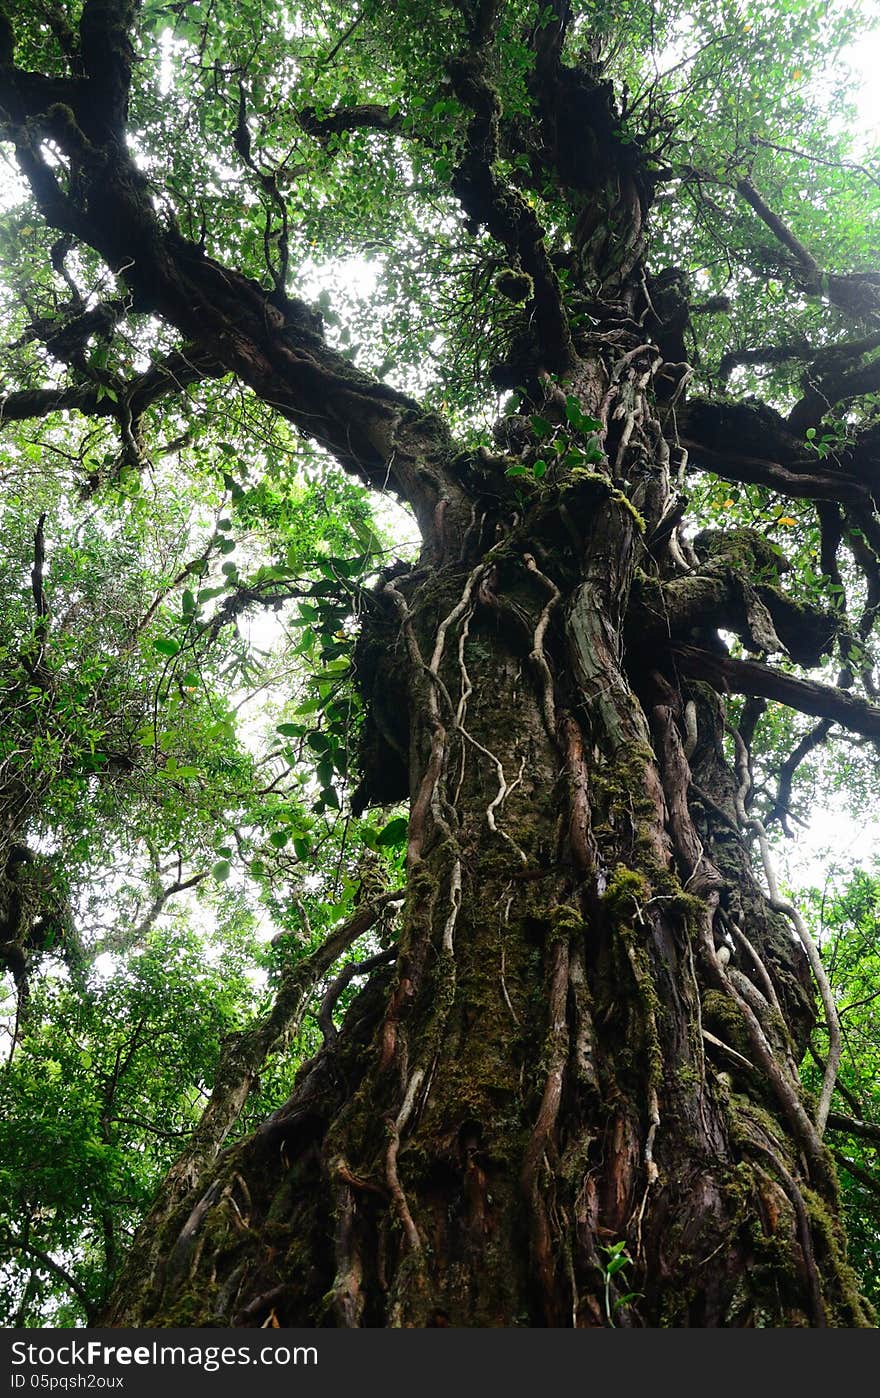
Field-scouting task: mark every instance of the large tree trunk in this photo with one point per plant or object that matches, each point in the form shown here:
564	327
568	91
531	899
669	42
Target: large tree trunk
591	1031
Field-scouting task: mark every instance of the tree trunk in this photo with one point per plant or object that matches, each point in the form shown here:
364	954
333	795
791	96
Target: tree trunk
585	1055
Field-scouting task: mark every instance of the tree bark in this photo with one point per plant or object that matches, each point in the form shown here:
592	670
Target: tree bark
590	1033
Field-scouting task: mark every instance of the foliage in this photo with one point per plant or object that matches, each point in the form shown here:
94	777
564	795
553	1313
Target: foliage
848	913
106	1084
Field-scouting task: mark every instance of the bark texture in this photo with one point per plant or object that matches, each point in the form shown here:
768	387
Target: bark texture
590	1032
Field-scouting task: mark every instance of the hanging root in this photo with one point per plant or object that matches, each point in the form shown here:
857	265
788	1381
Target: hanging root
537	657
556	1054
676	780
651	1170
580	834
348	1302
781	905
395	1189
805	1237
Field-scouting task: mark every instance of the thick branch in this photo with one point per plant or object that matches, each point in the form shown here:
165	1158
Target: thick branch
274	343
348	973
491	201
367	116
723	597
752	443
810	271
107	54
827	391
857	294
750	677
177	371
763	354
852	1126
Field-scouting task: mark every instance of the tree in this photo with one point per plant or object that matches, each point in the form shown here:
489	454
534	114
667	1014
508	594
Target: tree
572	1098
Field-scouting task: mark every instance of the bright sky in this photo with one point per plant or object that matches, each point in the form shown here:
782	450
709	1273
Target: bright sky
864	60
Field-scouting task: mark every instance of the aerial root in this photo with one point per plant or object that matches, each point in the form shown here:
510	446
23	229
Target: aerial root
347	1300
805	1237
395	1127
557	1054
537	657
782	905
676	780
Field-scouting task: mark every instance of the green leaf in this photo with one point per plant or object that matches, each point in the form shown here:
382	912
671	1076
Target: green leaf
580	420
394	833
221	870
166	646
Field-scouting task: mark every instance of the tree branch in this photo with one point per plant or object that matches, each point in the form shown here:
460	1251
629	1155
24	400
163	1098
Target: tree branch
809	697
367	116
869	1181
867	1130
179	370
335	989
763	354
493	202
811	740
811	272
752	443
56	1269
817	159
274	343
856	294
146	922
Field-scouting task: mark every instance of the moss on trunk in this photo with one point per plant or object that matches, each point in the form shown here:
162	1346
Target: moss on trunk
559	1061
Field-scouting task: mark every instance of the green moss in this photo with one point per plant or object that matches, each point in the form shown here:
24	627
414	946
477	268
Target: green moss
687	1075
747	551
849	1306
627	504
564	922
516	286
627	890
